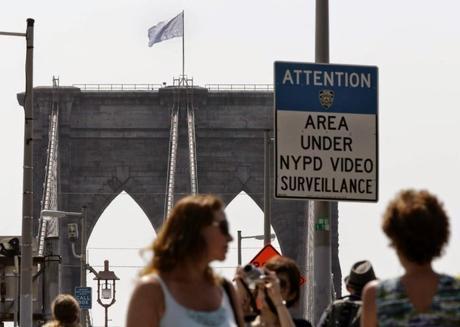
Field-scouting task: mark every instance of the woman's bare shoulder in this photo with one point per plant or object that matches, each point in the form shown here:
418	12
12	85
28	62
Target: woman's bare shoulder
370	289
148	283
369	312
149	279
146	306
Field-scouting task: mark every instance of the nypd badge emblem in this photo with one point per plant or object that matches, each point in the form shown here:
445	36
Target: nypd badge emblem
326	98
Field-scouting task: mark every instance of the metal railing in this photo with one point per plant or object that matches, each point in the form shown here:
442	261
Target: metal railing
156	87
173	143
192	148
118	87
240	87
49	201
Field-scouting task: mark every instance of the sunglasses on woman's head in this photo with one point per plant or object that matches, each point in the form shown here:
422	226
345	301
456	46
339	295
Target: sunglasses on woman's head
223	226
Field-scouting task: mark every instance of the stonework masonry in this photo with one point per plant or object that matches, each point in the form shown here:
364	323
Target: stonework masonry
117	141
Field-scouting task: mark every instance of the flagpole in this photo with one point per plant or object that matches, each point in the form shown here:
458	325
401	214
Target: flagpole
183	44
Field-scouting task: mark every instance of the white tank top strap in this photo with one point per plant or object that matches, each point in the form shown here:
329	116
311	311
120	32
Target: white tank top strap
177	315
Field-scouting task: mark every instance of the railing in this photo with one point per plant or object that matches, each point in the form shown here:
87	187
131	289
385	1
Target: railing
156	87
49	200
173	142
240	87
192	147
119	87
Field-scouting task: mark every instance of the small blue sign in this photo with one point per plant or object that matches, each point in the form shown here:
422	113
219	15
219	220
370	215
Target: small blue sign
83	296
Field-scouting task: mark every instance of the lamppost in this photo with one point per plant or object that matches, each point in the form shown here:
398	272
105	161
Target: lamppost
73	235
107	278
257	237
27	194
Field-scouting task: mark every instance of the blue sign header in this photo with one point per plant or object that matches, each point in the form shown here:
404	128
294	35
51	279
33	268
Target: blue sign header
326	88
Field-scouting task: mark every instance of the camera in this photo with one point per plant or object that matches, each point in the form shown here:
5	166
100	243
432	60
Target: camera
253	275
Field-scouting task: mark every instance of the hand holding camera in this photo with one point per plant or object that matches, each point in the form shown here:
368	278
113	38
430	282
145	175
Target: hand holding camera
276	287
272	288
262	289
253	276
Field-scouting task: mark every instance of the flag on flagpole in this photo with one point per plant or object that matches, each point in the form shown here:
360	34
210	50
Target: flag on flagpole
167	29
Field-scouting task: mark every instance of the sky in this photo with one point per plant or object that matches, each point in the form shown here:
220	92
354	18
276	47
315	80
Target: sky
413	43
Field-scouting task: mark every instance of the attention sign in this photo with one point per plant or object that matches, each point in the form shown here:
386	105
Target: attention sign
326	131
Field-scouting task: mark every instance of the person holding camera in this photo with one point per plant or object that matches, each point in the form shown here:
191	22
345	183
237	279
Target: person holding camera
179	288
267	294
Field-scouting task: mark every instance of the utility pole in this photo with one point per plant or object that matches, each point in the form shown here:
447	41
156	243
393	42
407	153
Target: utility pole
267	191
83	313
26	309
26	304
322	211
257	237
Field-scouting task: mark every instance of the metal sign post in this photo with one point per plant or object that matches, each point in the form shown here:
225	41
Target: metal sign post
326	143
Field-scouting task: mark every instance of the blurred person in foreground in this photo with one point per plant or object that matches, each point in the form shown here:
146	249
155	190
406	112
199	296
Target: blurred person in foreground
346	311
179	288
66	312
277	289
418	229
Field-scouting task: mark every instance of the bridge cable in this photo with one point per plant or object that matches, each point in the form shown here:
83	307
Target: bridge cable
172	158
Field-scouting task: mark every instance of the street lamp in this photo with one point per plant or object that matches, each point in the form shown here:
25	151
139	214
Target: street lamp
107	278
27	186
73	235
257	237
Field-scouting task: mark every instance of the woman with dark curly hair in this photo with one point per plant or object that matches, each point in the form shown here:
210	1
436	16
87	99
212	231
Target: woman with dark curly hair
66	312
179	288
418	229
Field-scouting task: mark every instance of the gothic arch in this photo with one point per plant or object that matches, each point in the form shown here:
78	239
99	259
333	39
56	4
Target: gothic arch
113	141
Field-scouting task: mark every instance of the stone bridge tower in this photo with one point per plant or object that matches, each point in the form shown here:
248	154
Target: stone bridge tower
114	141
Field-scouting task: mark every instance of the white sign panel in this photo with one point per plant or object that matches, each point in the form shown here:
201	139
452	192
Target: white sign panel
326	132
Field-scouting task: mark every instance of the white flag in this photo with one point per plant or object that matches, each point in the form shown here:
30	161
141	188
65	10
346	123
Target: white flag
167	29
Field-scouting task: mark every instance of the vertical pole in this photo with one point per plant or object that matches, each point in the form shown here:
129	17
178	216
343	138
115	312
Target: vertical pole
239	248
83	261
17	286
267	197
27	196
51	274
183	45
322	32
322	241
106	316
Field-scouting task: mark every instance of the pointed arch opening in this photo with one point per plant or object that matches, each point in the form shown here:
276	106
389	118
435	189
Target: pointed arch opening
243	214
120	234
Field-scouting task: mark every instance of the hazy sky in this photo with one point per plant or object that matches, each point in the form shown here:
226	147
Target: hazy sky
414	44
